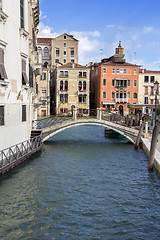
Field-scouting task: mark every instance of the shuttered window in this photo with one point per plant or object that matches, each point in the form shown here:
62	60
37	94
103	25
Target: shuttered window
22	13
23	113
24	75
3	74
1	115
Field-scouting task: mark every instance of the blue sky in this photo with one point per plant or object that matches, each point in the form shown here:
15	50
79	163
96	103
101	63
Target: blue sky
102	24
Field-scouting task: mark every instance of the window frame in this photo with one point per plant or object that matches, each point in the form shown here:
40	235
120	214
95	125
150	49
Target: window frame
24	113
2	115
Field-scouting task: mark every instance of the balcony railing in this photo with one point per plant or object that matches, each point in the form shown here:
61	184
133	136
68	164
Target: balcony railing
121	100
63	91
82	76
82	92
120	87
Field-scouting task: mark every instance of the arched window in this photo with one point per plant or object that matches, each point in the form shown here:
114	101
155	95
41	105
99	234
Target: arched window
66	85
46	52
84	85
61	85
80	85
45	64
39	49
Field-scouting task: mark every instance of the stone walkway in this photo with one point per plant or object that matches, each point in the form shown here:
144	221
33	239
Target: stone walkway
146	142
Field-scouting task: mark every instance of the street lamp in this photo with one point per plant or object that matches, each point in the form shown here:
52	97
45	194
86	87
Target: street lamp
156	88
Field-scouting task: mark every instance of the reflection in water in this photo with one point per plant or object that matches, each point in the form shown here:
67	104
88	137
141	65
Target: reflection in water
81	186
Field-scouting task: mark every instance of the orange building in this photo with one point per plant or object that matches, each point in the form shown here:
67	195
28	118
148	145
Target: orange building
114	83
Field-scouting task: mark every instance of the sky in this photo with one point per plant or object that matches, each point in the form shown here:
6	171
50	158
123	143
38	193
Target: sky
100	25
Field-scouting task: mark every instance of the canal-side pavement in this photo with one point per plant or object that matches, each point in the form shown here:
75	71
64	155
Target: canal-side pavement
146	143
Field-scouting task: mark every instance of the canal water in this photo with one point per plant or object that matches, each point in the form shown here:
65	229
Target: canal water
81	186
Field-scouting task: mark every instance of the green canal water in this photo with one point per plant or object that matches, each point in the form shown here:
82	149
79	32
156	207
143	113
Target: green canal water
82	186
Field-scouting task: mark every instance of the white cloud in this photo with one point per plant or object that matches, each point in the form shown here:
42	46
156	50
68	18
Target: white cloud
110	26
148	30
46	31
42	16
88	45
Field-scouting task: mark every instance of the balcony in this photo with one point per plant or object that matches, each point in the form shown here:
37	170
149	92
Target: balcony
37	62
120	87
82	76
63	91
82	92
121	100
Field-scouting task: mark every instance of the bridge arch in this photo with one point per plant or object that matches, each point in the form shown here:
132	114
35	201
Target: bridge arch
53	131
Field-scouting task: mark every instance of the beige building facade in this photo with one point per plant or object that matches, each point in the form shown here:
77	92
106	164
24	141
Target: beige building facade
55	52
71	87
146	86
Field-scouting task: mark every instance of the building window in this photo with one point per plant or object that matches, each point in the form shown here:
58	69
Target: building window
113	82
146	78
125	71
1	115
43	76
152	79
30	75
24	75
113	95
121	71
72	52
56	60
135	95
104	82
81	99
46	53
43	93
3	74
113	70
117	70
146	90
64	44
128	95
64	53
129	82
104	70
65	37
64	60
63	73
22	13
0	4
23	113
82	86
152	91
104	94
72	60
63	85
57	52
134	83
135	71
146	100
82	74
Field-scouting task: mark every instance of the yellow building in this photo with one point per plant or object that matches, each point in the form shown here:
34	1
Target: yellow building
70	89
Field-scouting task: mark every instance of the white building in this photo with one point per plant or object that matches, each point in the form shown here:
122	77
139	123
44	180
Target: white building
18	69
146	86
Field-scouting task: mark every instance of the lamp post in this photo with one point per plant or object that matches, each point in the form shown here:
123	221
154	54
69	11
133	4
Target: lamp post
156	88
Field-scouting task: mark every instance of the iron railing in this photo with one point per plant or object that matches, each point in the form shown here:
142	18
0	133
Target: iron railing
15	154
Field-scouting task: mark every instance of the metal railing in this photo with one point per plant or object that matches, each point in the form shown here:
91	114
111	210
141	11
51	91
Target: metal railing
11	156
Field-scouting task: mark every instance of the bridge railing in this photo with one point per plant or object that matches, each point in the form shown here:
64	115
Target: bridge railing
86	113
11	156
112	117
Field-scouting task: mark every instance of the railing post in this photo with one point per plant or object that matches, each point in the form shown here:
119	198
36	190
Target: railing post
99	113
74	114
146	129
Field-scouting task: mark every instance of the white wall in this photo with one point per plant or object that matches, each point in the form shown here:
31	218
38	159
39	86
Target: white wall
15	45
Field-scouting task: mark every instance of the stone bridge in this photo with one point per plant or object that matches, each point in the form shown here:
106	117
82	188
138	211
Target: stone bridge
53	125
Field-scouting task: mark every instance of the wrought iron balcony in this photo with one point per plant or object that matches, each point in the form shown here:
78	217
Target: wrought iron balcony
121	100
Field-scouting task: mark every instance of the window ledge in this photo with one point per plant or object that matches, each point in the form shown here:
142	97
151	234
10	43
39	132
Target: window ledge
4	83
23	32
3	16
25	86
